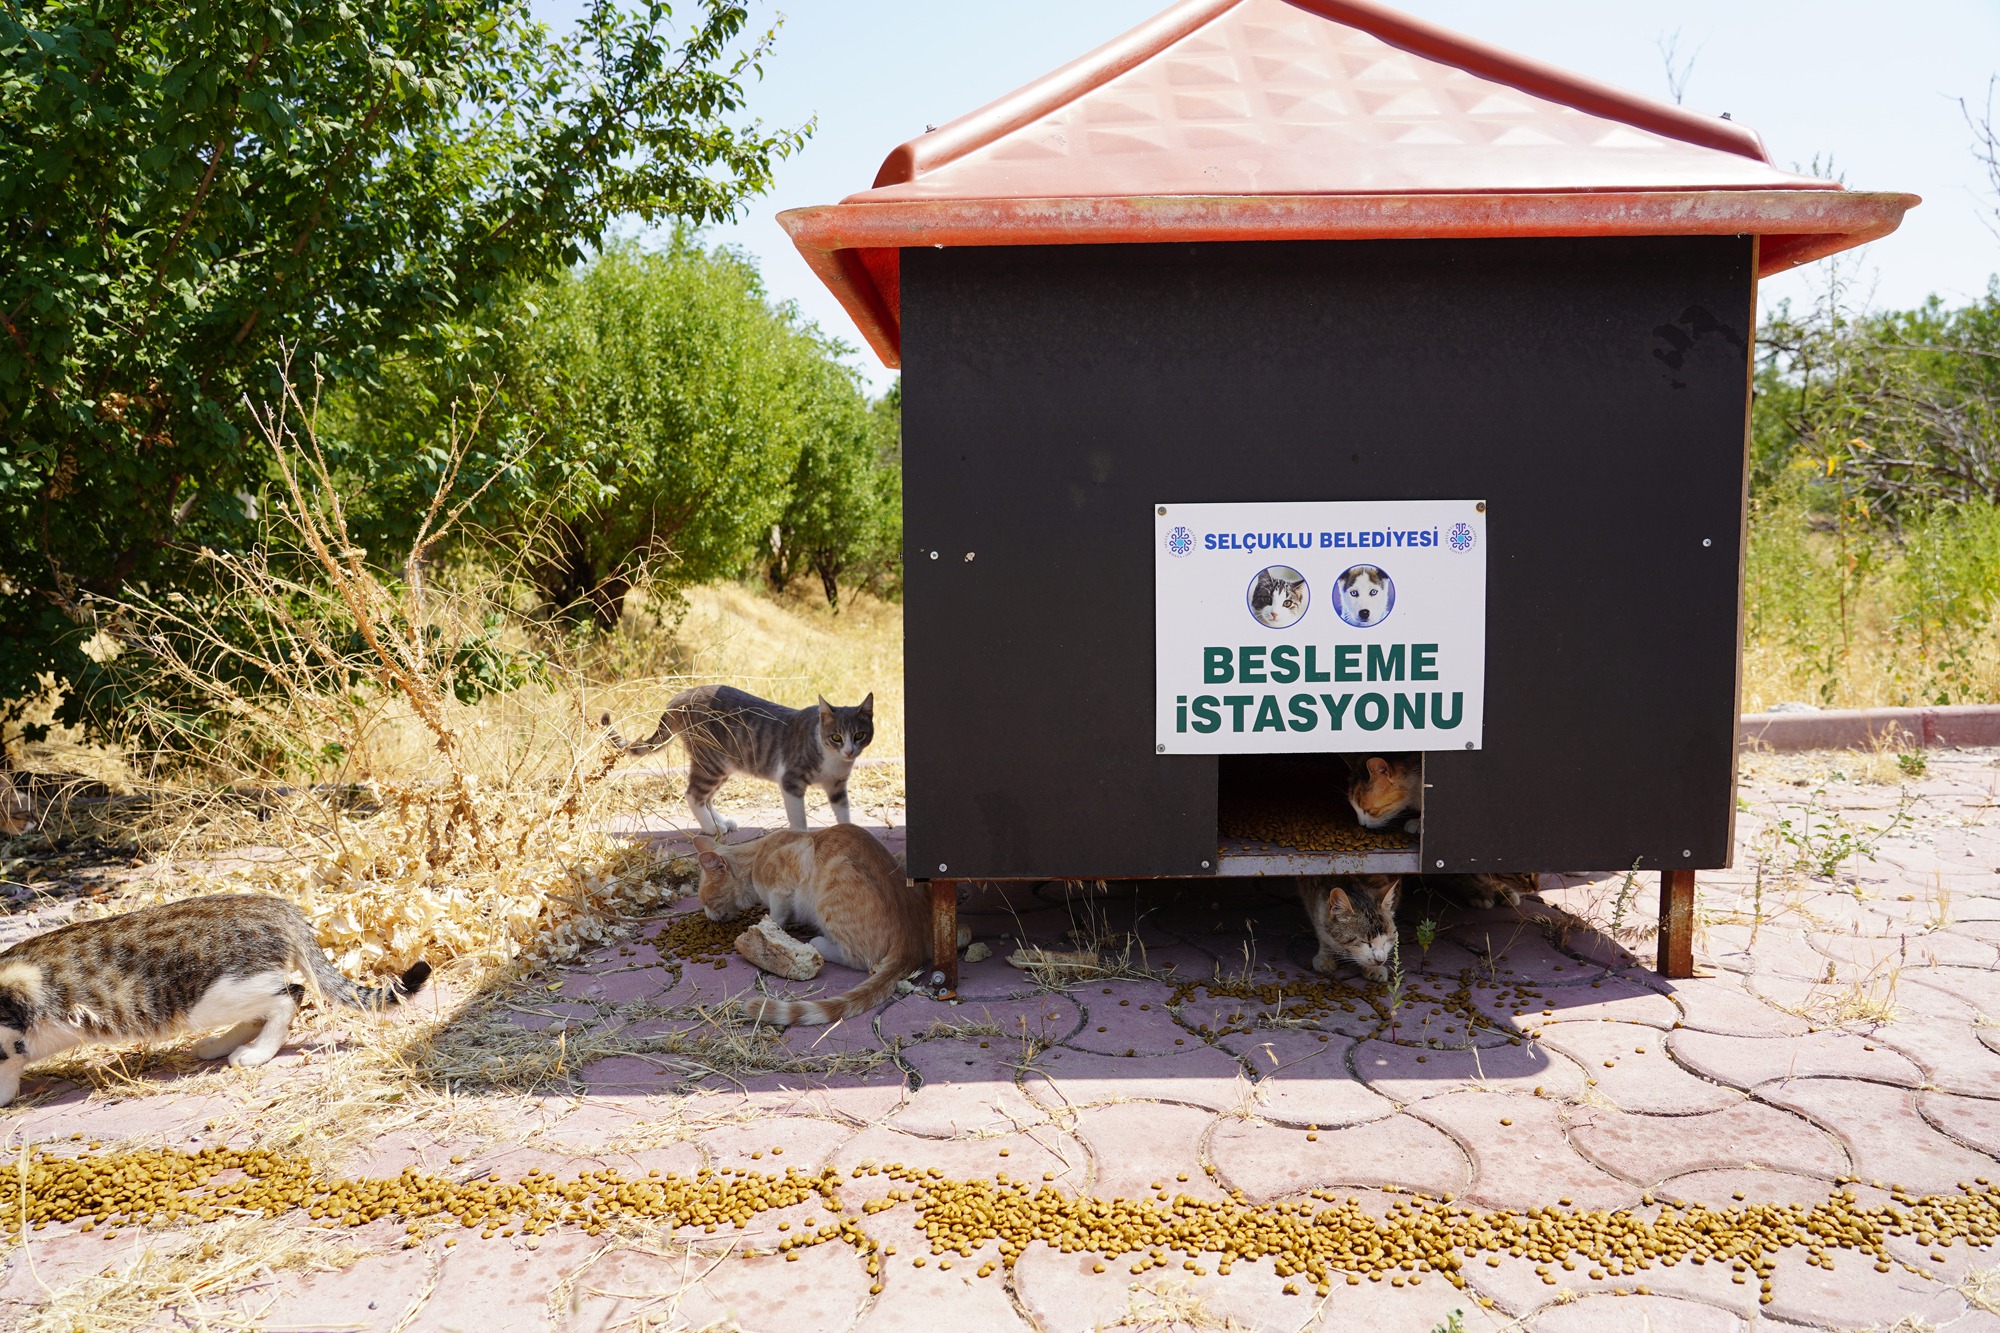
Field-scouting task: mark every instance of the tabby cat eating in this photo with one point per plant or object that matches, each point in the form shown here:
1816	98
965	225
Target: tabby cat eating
729	731
1354	918
223	961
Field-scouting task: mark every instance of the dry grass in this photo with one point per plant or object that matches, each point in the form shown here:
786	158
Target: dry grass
204	1273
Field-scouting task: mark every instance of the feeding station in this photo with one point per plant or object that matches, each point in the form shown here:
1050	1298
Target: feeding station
1291	379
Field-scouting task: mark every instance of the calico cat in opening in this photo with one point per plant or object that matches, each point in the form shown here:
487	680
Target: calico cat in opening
1277	600
224	961
1383	788
838	881
728	731
1354	918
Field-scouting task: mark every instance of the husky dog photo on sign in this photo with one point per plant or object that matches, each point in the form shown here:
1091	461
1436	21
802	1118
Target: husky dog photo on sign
1279	596
1364	596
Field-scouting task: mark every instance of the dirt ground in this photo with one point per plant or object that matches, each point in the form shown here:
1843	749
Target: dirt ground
1179	1126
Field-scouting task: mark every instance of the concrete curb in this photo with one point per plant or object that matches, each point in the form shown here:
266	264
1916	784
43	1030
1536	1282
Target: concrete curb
1865	728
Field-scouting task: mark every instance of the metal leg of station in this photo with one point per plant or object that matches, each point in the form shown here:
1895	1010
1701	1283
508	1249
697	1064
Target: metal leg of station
1676	958
944	937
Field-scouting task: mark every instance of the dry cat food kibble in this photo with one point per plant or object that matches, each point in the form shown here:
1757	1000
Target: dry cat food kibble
1324	1239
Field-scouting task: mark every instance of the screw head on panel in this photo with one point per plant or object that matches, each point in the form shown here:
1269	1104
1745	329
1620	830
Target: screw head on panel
1481	506
1163	511
940	865
1707	541
1468	745
933	555
1686	852
1204	865
1440	865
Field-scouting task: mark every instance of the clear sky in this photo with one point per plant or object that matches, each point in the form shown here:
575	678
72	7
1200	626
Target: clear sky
1871	86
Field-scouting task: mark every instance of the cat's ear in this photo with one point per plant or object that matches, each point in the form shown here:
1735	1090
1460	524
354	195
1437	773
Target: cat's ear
1389	896
1337	899
1378	767
708	853
867	706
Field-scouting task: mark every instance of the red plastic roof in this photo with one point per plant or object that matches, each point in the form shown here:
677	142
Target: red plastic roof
1314	119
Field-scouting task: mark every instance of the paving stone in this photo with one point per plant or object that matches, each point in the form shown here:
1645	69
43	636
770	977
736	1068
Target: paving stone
1649	1148
1025	1156
1854	1295
920	1300
1134	1144
1271	1162
625	1075
1885	1136
1778	951
1978	987
801	1144
1636	1314
497	1286
1150	1030
1633	1070
1914	949
1203	1077
964	1090
373	1295
1720	1005
1405	1074
1719	1188
1950	1054
1612	997
1971	1120
1306	1083
1748	1062
863	1098
824	1288
1046	1018
1517	1289
1523	1164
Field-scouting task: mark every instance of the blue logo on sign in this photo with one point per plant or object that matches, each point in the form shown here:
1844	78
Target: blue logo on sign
1462	537
1179	542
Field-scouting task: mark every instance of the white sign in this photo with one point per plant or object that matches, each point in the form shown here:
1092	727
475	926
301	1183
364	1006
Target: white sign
1335	626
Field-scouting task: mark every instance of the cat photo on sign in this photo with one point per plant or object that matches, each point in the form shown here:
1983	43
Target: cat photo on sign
1364	596
1279	596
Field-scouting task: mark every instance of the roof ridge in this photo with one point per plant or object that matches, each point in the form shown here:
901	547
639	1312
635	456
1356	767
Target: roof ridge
1538	77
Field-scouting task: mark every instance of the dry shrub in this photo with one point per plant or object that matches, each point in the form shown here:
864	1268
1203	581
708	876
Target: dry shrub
483	841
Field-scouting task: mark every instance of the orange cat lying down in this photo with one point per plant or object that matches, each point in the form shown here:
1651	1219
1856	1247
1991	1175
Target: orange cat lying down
838	881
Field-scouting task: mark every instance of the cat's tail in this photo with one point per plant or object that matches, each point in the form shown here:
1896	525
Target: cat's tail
340	990
657	741
879	986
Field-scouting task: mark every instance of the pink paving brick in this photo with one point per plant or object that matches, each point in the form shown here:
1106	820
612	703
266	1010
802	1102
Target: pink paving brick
1407	1074
1650	1149
965	1089
1950	1054
1044	1018
1636	1314
1721	1005
1032	1155
1135	1145
1202	1077
1520	1164
1269	1162
915	1300
825	1288
1747	1062
1885	1135
1633	1070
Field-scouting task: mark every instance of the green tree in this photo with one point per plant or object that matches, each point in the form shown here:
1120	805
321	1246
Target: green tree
844	517
193	192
